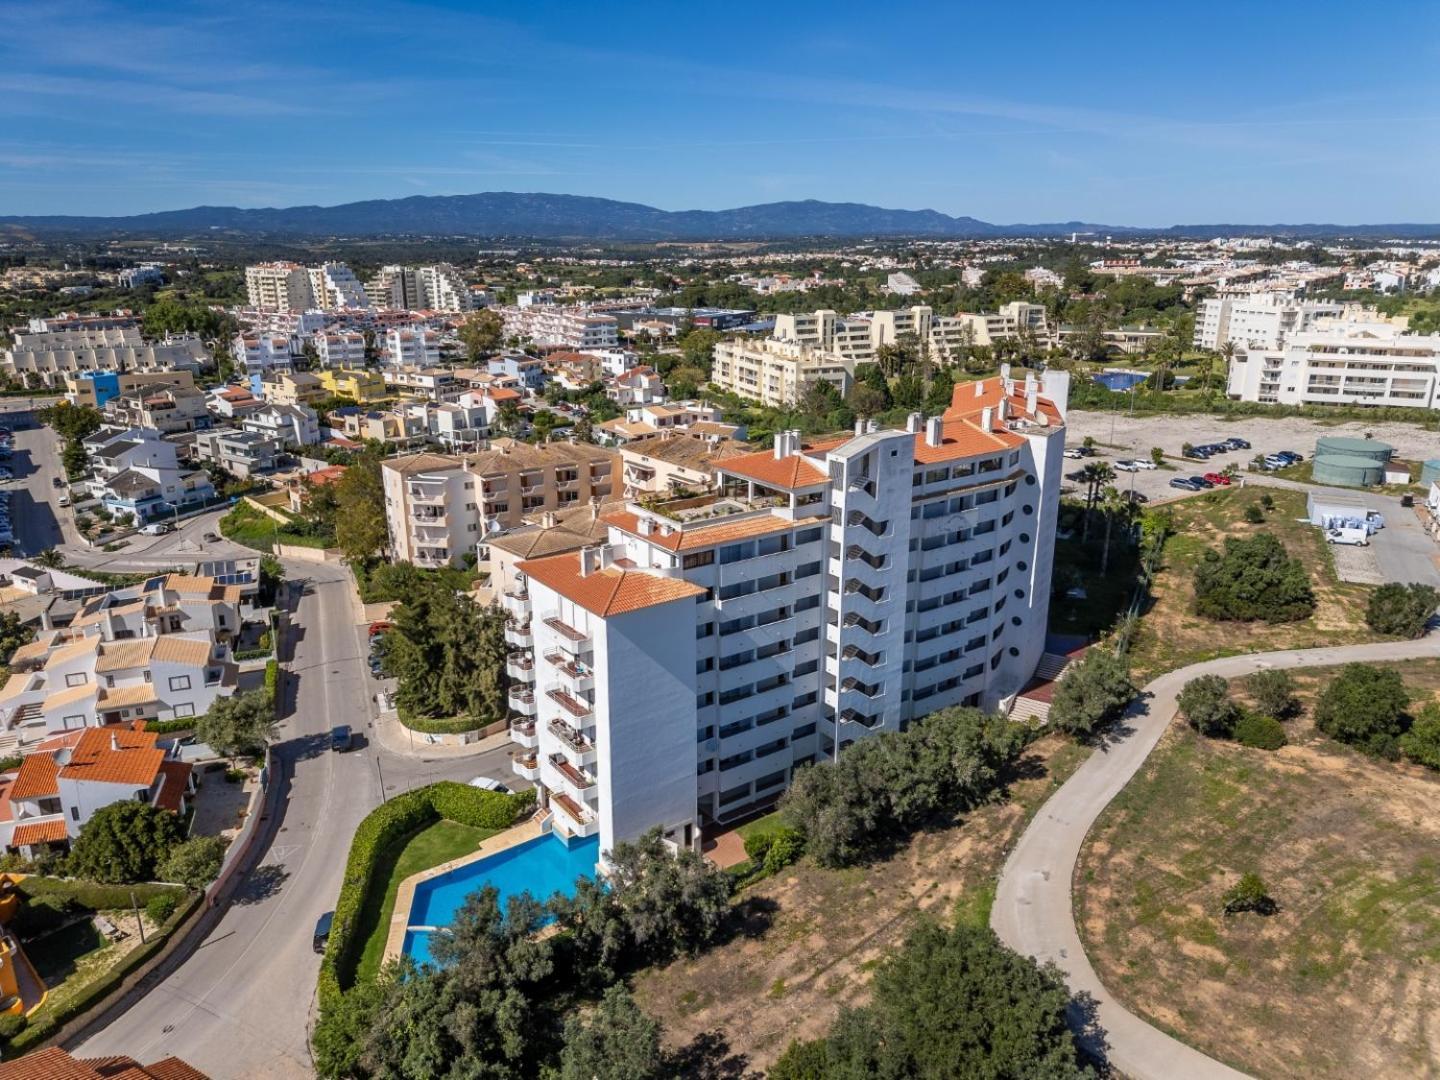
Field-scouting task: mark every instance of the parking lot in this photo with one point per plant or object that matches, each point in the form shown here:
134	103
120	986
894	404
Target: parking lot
1400	552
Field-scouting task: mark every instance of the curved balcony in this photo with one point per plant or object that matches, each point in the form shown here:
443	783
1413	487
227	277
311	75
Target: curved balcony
526	765
518	634
516	603
578	750
577	640
522	701
520	667
572	705
576	779
570	818
573	673
523	733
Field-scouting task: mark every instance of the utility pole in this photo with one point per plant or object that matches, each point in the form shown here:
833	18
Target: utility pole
381	775
138	921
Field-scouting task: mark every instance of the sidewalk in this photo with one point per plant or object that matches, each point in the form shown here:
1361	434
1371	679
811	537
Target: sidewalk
396	738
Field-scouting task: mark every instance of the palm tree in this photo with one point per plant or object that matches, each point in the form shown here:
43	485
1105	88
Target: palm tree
1113	505
1095	475
50	558
1227	353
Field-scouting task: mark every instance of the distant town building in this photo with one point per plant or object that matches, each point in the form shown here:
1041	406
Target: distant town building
1259	320
561	327
1342	362
440	287
44	359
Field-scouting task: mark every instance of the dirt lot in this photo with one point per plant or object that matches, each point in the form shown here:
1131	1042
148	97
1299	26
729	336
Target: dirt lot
828	929
1340	982
1171	636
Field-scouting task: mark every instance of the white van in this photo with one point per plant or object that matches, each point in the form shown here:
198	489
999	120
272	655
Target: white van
157	528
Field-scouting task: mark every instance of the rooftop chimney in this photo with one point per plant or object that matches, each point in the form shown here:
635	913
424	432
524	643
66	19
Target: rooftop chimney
114	741
871	427
934	431
913	422
979	387
589	561
859	427
644	526
547	519
987	419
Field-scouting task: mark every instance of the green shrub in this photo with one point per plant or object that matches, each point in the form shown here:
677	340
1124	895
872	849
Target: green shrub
1273	692
194	862
1249	894
272	681
757	844
1421	743
1254	515
160	908
11	1024
170	727
1365	707
1259	731
477	807
14	761
786	846
1401	610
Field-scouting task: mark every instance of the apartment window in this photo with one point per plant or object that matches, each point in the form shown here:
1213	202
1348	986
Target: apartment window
702	666
735	760
734	626
187	709
730	592
704	700
807	536
807	570
735	794
736	552
806	603
74	813
770	780
704	630
804	637
805	699
802	731
699	558
179	682
736	728
76	678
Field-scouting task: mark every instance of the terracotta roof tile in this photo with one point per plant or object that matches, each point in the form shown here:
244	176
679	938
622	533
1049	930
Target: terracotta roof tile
606	592
51	1063
119	655
172	1068
695	538
177	776
123	696
48	831
115	755
182	650
69	696
793	471
38	778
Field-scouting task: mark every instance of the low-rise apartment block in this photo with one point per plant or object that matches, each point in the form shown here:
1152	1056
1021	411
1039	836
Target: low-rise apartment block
411	348
340	349
672	463
775	372
256	354
677	674
1258	320
96	388
1342	362
292	388
439	507
166	409
134	471
357	384
286	426
45	359
550	326
240	453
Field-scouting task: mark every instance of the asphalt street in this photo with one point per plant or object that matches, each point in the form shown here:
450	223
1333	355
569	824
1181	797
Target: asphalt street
1034	910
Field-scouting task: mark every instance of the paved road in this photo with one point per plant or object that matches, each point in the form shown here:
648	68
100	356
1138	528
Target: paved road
240	1005
1034	911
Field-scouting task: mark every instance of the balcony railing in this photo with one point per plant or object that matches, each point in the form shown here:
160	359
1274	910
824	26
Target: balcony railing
574	706
569	665
578	778
570	737
565	630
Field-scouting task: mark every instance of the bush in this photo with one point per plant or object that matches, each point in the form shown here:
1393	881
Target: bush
272	681
1091	694
378	834
195	862
786	847
1273	692
1254	515
1259	731
14	761
1421	743
1364	707
1249	894
1253	579
1401	610
160	908
1207	707
11	1024
42	915
124	842
757	844
170	727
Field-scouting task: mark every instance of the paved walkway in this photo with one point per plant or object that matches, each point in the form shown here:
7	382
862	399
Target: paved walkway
396	738
1034	910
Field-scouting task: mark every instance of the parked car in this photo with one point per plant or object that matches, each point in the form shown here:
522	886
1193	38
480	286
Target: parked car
1217	479
1075	453
1237	443
64	500
1196	452
211	538
157	528
322	930
55	481
486	784
1185	483
1145	463
1407	500
1136	497
1201	483
1126	465
377	628
1273	461
341	738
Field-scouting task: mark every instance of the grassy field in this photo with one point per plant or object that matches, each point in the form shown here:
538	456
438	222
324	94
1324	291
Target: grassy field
70	960
1341	981
246	525
431	846
829	928
1172	636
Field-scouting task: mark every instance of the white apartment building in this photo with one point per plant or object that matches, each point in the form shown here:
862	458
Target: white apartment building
290	287
857	338
410	348
340	349
987	328
279	287
561	327
256	354
44	359
678	673
440	287
1259	320
1341	362
776	372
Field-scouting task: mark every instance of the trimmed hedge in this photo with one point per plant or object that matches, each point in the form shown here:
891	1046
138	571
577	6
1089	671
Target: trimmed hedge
1259	731
92	895
383	829
44	1025
170	727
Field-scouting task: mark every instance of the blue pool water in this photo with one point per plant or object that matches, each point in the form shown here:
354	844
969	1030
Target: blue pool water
1120	380
543	867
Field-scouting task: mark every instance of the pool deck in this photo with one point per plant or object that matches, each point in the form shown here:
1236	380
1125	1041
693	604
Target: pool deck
405	895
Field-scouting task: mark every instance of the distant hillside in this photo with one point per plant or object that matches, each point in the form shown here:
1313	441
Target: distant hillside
561	217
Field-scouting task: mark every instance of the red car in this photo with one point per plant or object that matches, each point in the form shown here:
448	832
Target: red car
377	628
1218	478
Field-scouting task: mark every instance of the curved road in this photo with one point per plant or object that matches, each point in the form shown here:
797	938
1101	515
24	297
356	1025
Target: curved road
1034	911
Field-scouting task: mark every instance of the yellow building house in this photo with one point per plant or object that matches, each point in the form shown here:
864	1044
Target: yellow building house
363	387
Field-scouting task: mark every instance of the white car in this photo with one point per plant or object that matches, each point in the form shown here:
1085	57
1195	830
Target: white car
157	528
1143	463
1126	465
486	784
1074	453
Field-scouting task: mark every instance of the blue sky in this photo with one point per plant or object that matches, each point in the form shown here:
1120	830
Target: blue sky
1123	113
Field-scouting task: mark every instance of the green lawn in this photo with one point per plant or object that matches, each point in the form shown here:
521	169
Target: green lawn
431	846
246	525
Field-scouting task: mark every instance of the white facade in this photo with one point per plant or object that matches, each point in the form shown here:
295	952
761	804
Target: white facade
340	349
776	372
1259	320
1342	363
411	348
289	287
258	353
440	287
563	327
676	675
335	287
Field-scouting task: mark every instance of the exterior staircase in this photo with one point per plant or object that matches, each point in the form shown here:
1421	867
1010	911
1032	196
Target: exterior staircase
1029	711
1051	667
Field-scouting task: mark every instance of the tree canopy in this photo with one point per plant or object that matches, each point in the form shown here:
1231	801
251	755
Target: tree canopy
359	512
124	842
238	724
1364	706
481	333
447	653
1253	578
1092	693
1205	703
1401	610
952	1005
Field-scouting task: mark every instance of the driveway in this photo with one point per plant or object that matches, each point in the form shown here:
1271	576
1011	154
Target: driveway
241	1004
1034	911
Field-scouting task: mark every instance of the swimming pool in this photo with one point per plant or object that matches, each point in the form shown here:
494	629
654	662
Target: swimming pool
543	866
1121	380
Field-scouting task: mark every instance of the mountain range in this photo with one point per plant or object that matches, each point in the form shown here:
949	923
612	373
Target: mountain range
506	214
